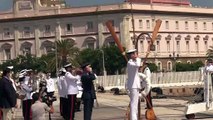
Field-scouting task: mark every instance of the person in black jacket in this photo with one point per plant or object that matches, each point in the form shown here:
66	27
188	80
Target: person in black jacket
7	95
88	90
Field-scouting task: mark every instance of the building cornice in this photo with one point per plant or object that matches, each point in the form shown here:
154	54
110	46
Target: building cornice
106	9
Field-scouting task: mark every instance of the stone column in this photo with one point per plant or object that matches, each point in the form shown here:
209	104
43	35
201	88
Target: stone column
36	6
125	32
37	41
100	32
57	30
16	45
15	7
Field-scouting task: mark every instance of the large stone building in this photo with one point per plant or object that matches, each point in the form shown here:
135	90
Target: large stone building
33	26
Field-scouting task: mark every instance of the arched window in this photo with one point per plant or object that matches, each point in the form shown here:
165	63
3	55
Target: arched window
197	37
169	37
169	66
159	65
159	37
6	51
26	48
188	37
109	41
178	61
189	62
47	46
90	42
178	37
206	37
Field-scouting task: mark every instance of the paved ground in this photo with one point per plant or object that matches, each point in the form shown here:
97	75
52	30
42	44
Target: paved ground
112	107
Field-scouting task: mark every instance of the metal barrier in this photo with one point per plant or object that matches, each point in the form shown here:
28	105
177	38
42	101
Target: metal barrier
166	79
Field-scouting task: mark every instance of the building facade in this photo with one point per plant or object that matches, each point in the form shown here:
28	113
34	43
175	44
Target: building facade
185	34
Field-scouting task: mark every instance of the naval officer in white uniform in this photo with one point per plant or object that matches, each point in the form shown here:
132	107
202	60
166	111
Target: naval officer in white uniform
62	90
133	83
145	76
72	90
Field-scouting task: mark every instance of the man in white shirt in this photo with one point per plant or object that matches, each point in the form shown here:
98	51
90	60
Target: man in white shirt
80	92
50	85
146	84
133	83
72	90
62	90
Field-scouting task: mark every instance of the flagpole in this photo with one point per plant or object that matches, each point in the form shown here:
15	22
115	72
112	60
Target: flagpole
133	22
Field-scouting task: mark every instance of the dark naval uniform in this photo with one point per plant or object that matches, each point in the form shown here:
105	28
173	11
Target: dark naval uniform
88	93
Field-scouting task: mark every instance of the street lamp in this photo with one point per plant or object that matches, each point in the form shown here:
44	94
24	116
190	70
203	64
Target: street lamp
174	57
152	48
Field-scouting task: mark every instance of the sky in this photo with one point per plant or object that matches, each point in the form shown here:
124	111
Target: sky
7	4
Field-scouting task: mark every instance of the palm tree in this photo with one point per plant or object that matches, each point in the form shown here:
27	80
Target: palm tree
66	51
210	52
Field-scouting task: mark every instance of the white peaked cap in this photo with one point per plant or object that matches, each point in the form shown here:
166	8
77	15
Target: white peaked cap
22	71
21	75
27	70
10	67
68	65
62	70
131	51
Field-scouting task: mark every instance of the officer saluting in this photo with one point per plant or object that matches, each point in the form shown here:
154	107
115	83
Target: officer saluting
72	90
133	83
88	90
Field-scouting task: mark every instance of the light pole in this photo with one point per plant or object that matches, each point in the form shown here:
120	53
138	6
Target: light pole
135	41
174	57
104	71
56	58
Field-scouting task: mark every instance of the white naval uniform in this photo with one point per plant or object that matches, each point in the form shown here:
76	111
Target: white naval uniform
145	81
80	89
72	91
62	86
208	68
72	83
27	88
133	85
50	85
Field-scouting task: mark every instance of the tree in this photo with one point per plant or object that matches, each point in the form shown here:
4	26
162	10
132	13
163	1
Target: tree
25	62
66	51
153	67
91	56
189	67
114	60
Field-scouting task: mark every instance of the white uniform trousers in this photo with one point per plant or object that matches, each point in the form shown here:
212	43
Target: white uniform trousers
134	96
